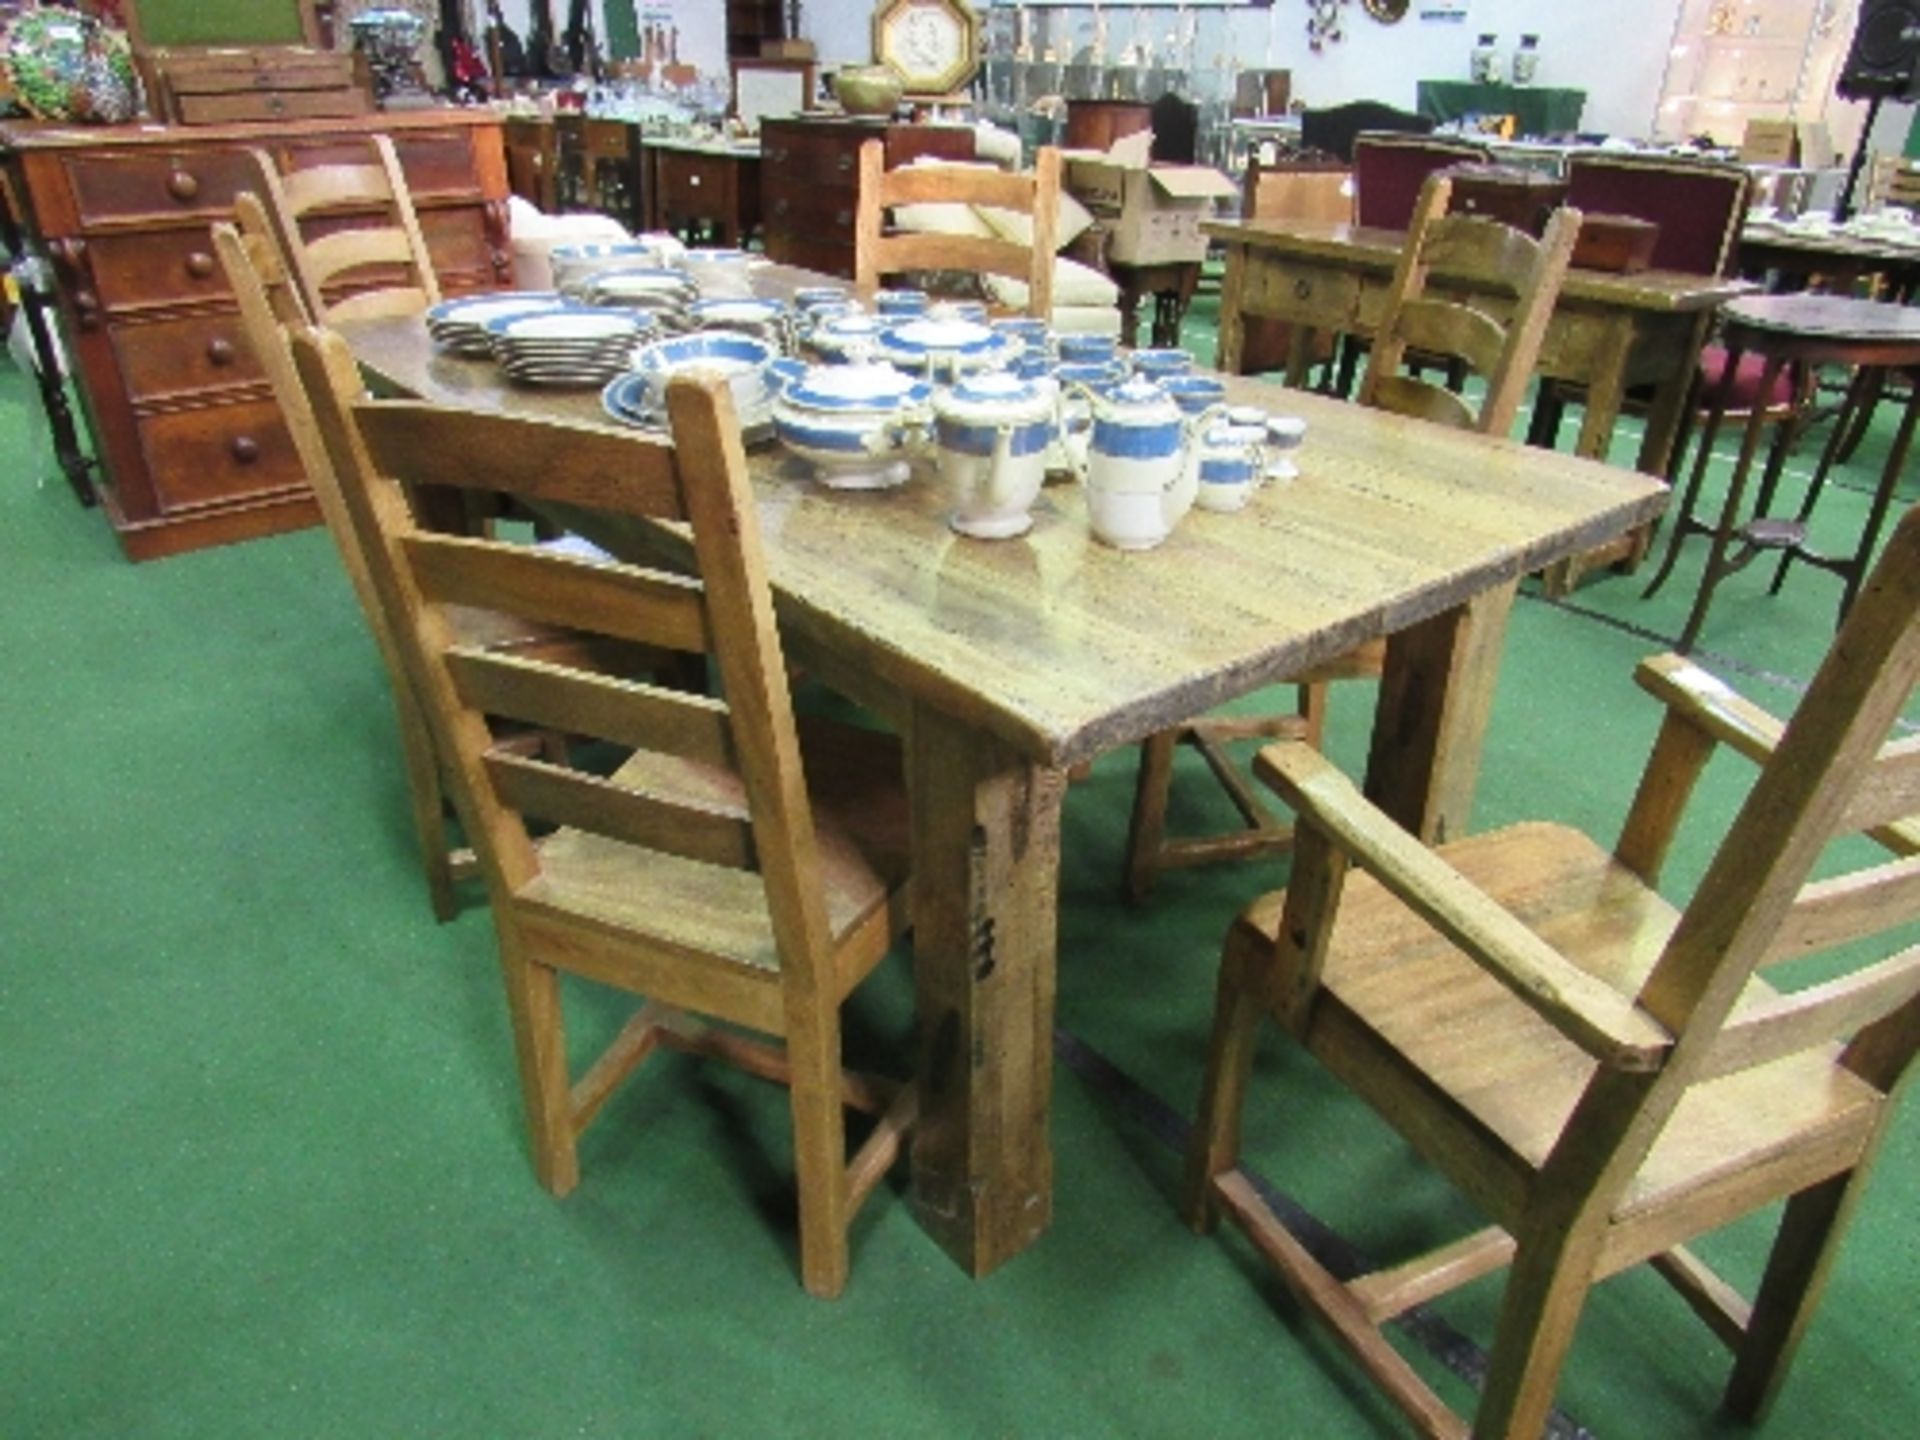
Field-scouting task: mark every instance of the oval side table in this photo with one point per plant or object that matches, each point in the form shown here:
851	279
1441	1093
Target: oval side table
1801	331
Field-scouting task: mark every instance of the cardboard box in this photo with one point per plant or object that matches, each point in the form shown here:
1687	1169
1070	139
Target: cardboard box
1153	212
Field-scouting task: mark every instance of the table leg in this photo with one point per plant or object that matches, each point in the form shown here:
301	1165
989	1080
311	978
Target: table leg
1129	314
1432	713
1855	573
1233	321
1606	388
1671	407
986	842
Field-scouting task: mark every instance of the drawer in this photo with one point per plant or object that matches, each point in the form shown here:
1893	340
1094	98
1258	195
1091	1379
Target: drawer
201	181
178	357
814	159
811	251
435	162
797	207
165	267
1304	293
271	105
692	183
219	452
609	140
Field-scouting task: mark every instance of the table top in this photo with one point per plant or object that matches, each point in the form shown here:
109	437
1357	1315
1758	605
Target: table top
1832	317
1066	648
1838	244
1372	248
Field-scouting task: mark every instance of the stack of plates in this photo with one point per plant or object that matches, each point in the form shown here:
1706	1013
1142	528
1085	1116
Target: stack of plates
767	320
663	293
575	266
743	360
461	325
573	345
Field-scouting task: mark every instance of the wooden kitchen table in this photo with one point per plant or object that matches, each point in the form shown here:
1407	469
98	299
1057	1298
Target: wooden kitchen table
1006	662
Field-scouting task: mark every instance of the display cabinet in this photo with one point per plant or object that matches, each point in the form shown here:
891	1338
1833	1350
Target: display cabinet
1738	60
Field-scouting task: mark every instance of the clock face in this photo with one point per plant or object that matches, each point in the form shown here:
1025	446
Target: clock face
930	42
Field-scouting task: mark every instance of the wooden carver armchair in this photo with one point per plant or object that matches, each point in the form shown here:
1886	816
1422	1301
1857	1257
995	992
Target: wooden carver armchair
1484	255
1605	1076
714	855
878	254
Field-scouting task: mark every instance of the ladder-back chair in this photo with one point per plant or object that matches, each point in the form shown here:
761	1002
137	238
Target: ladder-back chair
1036	194
352	237
736	863
271	311
1605	1076
1486	257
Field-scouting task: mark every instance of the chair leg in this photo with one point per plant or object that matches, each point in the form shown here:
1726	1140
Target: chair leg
1538	1313
1313	696
1214	1146
540	1045
819	1148
1146	833
1803	1253
428	802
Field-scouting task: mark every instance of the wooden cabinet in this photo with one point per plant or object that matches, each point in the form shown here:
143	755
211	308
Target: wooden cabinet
810	181
703	191
533	161
191	448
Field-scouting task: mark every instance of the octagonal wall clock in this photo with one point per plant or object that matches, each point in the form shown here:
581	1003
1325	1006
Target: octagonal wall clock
934	45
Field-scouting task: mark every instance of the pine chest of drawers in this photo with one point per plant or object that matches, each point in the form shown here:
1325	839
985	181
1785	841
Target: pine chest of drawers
190	445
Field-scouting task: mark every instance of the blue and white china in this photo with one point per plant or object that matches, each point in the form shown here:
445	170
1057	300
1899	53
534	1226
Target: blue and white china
974	310
576	264
852	422
852	336
1087	349
566	345
741	358
764	319
625	399
942	349
1230	462
723	272
1092	374
782	371
1284	434
993	431
1159	364
639	285
900	304
1035	357
461	325
811	297
1141	473
1194	393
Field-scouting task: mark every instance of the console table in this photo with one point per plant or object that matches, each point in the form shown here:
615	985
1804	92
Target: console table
1536	109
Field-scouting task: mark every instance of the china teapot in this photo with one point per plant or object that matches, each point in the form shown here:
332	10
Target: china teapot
993	431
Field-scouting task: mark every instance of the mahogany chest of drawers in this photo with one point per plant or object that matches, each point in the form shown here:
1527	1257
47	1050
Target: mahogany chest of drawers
189	441
810	181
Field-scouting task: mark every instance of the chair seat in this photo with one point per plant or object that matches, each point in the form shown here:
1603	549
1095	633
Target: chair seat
1462	1033
1746	381
860	824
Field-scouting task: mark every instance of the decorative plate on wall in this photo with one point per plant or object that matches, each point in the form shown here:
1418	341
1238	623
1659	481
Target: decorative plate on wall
1387	12
66	66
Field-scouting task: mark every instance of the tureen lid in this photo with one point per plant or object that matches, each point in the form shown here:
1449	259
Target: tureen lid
928	334
855	388
1136	402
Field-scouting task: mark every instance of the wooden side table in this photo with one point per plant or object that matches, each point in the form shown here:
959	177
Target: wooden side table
1169	284
1795	330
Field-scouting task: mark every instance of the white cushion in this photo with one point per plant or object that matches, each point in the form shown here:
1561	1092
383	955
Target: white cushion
942	217
1002	147
1085	320
1073	284
1017	225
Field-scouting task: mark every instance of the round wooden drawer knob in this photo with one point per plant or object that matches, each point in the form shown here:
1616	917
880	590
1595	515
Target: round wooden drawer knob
245	449
220	350
183	185
1302	289
200	265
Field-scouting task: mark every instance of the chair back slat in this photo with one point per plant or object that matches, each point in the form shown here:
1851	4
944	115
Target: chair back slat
1846	908
956	185
1453	329
1485	252
339	251
323	187
1822	1014
1889	788
540	460
1698	204
1423	400
631	713
646	606
693	828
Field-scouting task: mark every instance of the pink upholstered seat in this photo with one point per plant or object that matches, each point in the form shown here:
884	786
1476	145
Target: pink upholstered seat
1697	204
1389	169
1746	382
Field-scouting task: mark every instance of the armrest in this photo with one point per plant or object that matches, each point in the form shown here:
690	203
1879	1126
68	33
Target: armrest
1730	719
1593	1015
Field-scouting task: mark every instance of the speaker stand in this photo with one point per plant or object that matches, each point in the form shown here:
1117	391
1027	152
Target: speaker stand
1843	207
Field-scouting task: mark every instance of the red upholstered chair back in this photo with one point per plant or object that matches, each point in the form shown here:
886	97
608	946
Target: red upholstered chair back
1698	204
1389	169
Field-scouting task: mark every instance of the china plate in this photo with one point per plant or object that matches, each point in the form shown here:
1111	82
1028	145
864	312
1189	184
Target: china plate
625	400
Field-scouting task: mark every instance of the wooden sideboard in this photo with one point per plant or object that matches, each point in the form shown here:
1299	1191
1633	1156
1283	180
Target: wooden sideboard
810	181
189	441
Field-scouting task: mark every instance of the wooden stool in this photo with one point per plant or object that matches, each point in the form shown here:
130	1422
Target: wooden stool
1798	330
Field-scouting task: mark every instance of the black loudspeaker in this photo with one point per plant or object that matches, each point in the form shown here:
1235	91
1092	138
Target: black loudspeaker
1884	59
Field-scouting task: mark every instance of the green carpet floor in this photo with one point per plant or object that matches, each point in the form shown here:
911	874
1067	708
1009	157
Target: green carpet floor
261	1163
